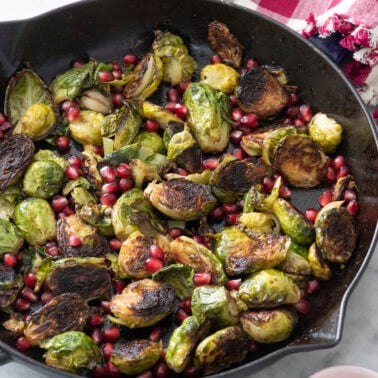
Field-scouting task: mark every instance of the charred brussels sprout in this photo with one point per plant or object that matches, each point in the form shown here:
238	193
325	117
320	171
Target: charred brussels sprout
87	128
269	326
35	219
336	233
216	303
220	76
208	116
260	223
142	303
181	199
183	341
221	349
295	264
135	356
319	266
10	285
178	65
66	312
72	351
10	238
268	288
260	93
94	100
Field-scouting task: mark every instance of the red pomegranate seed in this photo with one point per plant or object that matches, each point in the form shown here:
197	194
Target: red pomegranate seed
58	203
338	162
74	241
95	320
285	192
238	153
203	278
152	126
182	86
186	305
349	195
268	184
108	174
118	286
182	172
352	207
117	99
105	76
2	118
107	350
5	126
293	111
29	295
108	199
117	74
312	286
52	249
216	59
68	211
233	284
330	175
325	197
232	219
342	172
181	111
156	334
22	305
113	370
249	120
173	95
175	232
125	184
62	143
217	213
181	315
210	163
10	260
75	161
230	208
299	122
111	334
145	374
115	244
236	114
161	370
123	171
22	343
105	305
101	371
190	371
99	150
130	59
311	214
293	99
156	252
68	104
30	280
162	356
171	106
96	335
305	112
251	64
303	293
46	297
72	172
198	239
236	136
73	114
153	264
111	187
303	306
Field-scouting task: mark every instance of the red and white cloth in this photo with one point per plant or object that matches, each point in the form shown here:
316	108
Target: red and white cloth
354	21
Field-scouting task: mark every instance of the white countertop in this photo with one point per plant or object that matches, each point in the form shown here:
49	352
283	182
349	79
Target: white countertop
359	344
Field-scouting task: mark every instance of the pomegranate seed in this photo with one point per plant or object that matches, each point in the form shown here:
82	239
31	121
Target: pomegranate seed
5	126
234	284
46	297
236	136
330	175
118	286
343	171
186	305
111	187
305	112
325	197
117	99
75	161
117	74
2	118
249	120
203	278
216	59
96	335
217	213
105	305
73	114
312	286
72	172
163	354
125	184
68	104
68	211
352	207
30	280
268	184
375	113
152	126
99	150
198	239
10	260
299	122
101	371
22	343
230	208
113	370
190	371
175	232
161	370
236	114
153	264
29	295
303	306
108	199
338	162
115	244
182	86
238	153
181	111
130	59
292	112
251	64
293	99
285	192
303	293
156	252
111	334
22	305
210	163
58	203
145	374
74	241
123	171
105	76
173	95
311	214
95	320
156	334
233	100
107	350
62	143
349	195
232	219
181	315
108	174
182	172
171	107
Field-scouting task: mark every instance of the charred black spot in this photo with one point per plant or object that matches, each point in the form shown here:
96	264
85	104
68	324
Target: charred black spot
132	349
251	86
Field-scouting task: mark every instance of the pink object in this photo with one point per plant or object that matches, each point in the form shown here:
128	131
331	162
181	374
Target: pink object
345	372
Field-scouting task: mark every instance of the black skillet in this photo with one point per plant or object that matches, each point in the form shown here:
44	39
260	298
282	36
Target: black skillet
106	30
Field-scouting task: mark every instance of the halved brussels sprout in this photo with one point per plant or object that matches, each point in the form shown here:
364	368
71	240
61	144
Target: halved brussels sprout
94	100
97	216
268	288
35	219
178	65
295	264
183	341
48	155
216	303
87	128
208	116
260	93
72	351
10	285
260	223
225	44
162	116
269	326
142	303
10	238
336	234
185	250
319	266
301	160
342	184
220	76
221	350
293	223
150	140
261	252
16	152
65	312
135	356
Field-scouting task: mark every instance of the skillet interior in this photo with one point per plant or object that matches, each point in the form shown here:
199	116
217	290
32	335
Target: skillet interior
106	30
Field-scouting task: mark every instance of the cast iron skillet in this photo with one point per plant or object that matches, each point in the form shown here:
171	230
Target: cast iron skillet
106	30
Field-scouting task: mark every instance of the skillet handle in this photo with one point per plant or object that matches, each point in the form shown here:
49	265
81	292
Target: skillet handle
4	358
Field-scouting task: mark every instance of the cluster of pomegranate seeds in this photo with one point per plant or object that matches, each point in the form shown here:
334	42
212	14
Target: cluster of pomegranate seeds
156	260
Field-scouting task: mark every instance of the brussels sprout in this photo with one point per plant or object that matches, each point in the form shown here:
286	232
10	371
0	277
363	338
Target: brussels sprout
135	356
87	276
185	250
295	264
183	340
208	116
221	349
35	219
48	155
66	312
225	44
293	223
260	223
6	209
178	65
179	276
69	84
10	238
162	116
16	152
252	143
232	178
150	140
220	76
300	160
10	285
142	303
336	233
262	251
326	131
133	211
260	93
299	249
94	100
277	72
269	326
123	155
199	178
268	288
319	266
72	351
87	128
43	179
180	199
342	184
216	303
146	78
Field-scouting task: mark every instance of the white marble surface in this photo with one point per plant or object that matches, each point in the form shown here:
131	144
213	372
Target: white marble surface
359	344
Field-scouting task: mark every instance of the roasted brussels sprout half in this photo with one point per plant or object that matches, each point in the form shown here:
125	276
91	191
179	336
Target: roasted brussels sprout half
35	219
10	285
208	116
180	199
295	264
260	252
87	128
319	266
150	140
336	234
183	341
293	223
216	303
178	65
221	349
91	168
220	76
72	351
10	238
65	312
135	356
268	288
269	326
301	161
48	155
146	78
185	250
142	303
260	223
162	116
94	100
16	152
260	93
225	44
